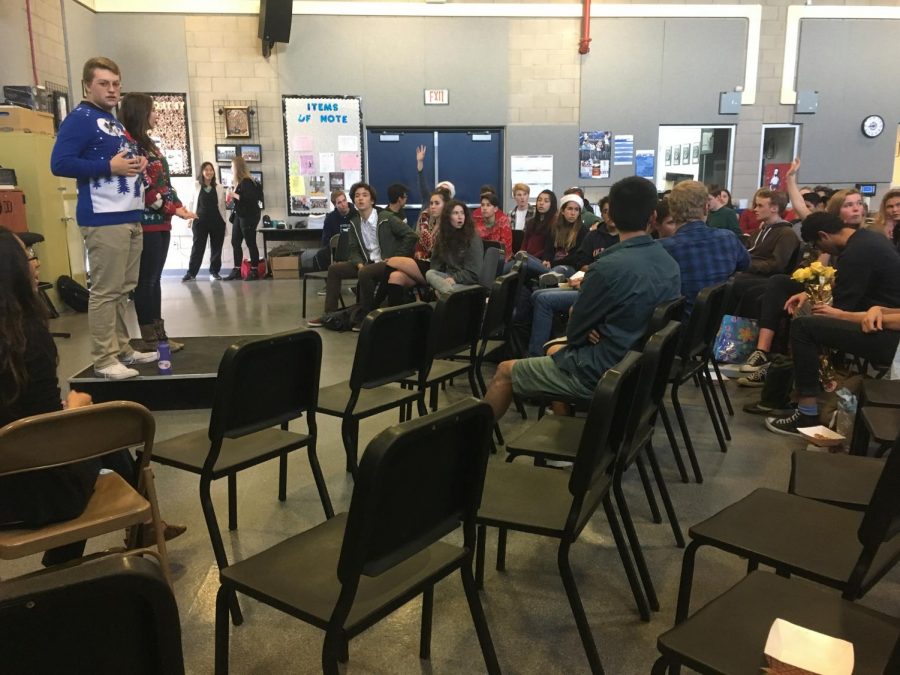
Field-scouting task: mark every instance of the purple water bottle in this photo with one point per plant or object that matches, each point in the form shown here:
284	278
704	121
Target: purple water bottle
165	357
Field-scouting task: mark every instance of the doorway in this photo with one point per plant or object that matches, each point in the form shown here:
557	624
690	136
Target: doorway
703	153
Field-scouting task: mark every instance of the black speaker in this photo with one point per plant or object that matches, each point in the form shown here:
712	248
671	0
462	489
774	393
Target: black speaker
275	20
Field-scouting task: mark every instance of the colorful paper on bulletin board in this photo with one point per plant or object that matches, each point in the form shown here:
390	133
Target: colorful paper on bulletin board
336	180
594	151
645	163
623	149
297	185
351	177
318	132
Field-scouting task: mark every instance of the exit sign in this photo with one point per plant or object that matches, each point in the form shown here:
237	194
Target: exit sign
437	97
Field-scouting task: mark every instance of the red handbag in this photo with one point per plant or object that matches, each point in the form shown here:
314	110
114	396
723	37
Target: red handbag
260	269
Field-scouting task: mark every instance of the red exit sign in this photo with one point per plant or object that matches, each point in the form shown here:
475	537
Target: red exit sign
437	97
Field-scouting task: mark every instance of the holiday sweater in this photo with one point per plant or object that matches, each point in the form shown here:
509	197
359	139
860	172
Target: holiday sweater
88	139
160	199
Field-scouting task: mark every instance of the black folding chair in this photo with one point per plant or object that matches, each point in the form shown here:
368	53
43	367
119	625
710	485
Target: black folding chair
110	615
262	383
417	483
835	478
392	346
556	504
831	545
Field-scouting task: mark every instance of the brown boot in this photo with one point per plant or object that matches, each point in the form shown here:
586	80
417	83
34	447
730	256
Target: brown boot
148	340
160	326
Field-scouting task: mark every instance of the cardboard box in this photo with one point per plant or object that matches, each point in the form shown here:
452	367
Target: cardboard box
12	210
285	267
14	118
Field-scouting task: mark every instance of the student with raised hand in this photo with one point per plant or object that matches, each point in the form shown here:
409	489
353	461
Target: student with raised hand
93	147
160	204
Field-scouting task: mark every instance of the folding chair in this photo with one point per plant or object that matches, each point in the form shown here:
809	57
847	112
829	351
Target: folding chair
111	615
835	478
392	346
417	483
322	274
70	436
262	383
831	545
556	504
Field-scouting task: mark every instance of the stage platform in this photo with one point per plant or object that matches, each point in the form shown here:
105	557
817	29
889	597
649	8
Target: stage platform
190	386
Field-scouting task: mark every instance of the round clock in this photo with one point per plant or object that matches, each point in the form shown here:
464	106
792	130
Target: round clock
872	126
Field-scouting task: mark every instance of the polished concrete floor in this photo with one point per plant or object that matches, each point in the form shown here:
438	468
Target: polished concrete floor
529	617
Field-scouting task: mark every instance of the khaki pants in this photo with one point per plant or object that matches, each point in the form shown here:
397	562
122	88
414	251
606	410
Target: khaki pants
114	254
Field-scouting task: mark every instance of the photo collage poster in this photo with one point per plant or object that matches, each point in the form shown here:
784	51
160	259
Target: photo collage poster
594	152
171	132
323	149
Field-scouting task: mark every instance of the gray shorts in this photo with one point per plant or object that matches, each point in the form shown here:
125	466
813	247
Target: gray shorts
540	376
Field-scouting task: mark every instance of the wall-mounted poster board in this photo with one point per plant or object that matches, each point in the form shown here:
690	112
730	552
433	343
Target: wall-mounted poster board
171	132
323	139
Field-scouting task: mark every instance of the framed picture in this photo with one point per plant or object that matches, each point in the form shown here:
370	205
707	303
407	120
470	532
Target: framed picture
669	156
171	132
676	155
686	153
225	176
251	153
226	153
237	122
695	153
706	141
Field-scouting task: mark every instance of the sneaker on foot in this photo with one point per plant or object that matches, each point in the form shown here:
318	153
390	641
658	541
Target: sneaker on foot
116	371
789	425
214	276
322	292
314	323
187	277
356	327
234	276
758	359
754	379
138	357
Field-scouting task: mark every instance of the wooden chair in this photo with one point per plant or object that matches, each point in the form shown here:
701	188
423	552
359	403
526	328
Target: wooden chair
70	436
417	483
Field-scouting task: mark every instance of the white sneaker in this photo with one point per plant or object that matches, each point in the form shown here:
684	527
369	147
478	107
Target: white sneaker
116	371
138	357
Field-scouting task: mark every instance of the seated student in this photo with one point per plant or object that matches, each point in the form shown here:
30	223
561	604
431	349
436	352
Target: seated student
748	221
766	301
398	195
665	224
888	218
618	296
588	218
566	236
873	335
537	230
721	213
458	252
705	256
374	237
522	212
319	259
492	224
29	386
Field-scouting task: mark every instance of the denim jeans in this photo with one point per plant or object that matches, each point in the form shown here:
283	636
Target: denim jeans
147	295
547	302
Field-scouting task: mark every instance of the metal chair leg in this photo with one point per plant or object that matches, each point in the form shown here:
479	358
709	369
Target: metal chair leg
635	544
282	476
221	645
320	480
350	436
584	629
478	618
215	536
633	581
685	434
648	490
687	581
723	388
673	443
723	421
664	495
480	541
501	549
713	416
232	501
427	611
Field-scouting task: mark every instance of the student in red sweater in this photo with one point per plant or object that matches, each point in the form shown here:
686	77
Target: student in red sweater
492	224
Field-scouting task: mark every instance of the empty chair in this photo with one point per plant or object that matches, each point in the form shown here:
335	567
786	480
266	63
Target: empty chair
558	504
455	327
417	483
728	636
392	346
835	478
828	544
116	614
70	436
262	383
321	274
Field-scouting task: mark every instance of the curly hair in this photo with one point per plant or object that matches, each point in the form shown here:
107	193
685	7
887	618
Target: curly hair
19	307
451	243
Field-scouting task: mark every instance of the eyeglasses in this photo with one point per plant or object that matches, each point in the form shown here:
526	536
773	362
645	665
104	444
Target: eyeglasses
31	255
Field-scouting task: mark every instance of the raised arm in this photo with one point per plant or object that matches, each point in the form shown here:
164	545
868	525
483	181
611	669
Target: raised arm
794	192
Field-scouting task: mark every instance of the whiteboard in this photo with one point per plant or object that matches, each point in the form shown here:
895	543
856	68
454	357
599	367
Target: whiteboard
323	139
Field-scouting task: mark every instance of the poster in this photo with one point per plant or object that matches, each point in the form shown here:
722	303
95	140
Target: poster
171	132
773	176
536	171
623	149
594	154
645	163
323	143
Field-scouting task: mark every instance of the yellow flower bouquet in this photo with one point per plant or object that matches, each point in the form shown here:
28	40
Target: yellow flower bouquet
817	280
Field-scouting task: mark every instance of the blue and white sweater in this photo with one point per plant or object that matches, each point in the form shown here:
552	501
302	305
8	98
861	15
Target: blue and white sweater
88	139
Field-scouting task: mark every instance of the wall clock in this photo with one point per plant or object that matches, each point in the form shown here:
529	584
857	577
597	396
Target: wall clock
872	126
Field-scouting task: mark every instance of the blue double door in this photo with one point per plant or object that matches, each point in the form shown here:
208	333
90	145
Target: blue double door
468	158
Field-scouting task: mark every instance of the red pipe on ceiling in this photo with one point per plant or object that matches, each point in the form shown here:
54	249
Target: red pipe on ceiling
584	46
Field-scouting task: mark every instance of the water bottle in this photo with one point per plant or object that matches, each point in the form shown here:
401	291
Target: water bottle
165	357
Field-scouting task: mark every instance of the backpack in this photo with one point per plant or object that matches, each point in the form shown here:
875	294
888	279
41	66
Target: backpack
343	319
73	294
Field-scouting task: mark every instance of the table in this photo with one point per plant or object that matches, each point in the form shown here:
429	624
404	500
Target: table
284	234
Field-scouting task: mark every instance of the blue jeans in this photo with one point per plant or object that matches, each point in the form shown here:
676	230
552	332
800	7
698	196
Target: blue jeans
547	302
535	267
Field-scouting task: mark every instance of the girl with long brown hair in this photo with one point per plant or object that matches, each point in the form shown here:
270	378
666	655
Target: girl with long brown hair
458	253
247	197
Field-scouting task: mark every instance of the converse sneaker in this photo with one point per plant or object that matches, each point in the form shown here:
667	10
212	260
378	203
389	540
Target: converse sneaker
754	379
755	361
116	371
315	323
138	357
789	425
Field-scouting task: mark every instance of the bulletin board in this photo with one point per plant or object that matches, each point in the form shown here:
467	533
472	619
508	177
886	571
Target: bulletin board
171	133
323	140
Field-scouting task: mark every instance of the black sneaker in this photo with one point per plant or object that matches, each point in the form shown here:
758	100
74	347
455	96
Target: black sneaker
754	379
234	276
214	276
188	277
789	425
758	359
